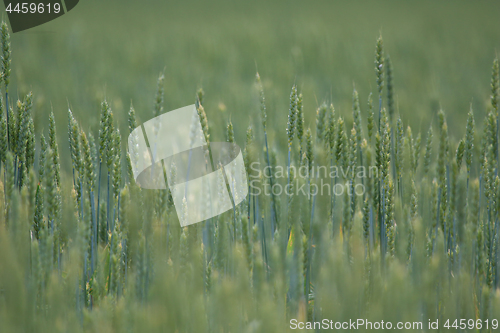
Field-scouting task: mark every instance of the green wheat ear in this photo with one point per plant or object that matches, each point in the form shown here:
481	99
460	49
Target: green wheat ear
160	96
199	96
340	154
3	135
389	217
320	122
54	147
413	202
390	92
262	100
370	118
443	147
103	131
30	145
385	140
347	217
117	162
132	122
24	143
50	186
230	132
11	128
428	151
330	131
41	161
366	220
204	122
399	148
38	221
74	143
491	130
408	145
495	78
15	120
87	162
292	113
356	116
300	121
460	153
6	54
469	140
93	152
110	147
5	74
379	64
416	151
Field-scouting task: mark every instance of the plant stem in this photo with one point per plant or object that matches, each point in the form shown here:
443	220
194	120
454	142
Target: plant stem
274	213
108	211
98	203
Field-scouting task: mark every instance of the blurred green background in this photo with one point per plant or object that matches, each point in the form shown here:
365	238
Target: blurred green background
441	52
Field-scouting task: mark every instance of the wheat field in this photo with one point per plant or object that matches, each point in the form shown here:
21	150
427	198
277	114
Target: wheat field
358	206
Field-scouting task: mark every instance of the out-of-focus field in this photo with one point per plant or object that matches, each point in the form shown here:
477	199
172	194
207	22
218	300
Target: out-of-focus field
441	54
